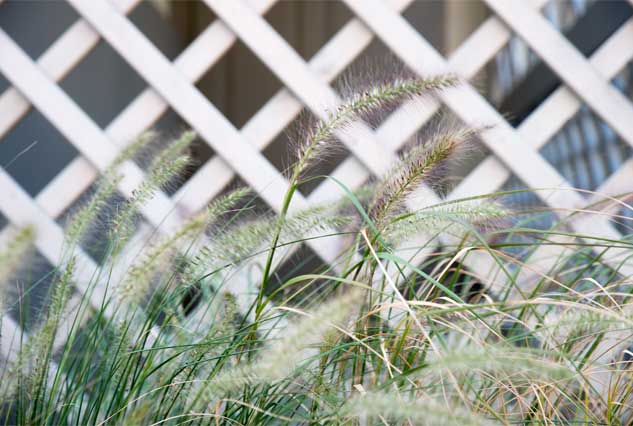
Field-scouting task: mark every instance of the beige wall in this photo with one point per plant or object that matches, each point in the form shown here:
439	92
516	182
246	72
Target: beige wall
461	18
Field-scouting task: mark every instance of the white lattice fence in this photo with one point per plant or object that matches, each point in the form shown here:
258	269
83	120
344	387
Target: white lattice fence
239	151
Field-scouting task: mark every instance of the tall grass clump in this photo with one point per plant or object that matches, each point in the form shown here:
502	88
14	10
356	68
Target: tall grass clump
216	321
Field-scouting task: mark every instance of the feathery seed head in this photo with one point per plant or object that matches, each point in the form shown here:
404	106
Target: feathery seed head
12	258
159	255
506	364
245	239
13	255
454	217
132	149
423	411
421	164
169	163
78	223
320	135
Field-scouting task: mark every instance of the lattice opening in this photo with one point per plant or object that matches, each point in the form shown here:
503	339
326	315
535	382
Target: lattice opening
623	81
158	29
307	26
4	84
421	15
516	80
24	21
34	152
103	84
564	14
190	18
623	221
27	292
239	84
302	261
522	198
586	151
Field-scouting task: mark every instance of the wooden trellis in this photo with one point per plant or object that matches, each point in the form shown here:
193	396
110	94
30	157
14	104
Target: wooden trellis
239	151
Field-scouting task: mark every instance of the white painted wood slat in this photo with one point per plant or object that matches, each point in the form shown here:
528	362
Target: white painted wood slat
282	108
540	126
277	54
467	60
194	61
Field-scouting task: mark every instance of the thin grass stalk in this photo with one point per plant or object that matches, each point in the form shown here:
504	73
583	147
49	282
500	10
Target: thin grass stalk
376	98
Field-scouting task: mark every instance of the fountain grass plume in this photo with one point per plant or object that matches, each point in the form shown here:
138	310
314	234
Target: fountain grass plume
14	254
455	218
132	150
168	164
249	238
319	135
420	164
79	221
159	255
12	258
512	364
389	406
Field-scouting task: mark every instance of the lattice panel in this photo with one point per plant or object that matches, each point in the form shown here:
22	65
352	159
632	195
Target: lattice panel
171	85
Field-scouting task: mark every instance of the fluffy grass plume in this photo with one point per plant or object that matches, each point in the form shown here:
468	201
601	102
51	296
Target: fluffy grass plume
12	257
282	358
168	164
14	254
106	187
318	137
389	407
421	164
158	256
456	218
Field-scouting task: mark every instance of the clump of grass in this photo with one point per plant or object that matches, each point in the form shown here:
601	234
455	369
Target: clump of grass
280	359
314	348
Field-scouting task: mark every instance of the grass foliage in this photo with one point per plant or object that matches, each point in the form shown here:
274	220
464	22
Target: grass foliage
203	325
